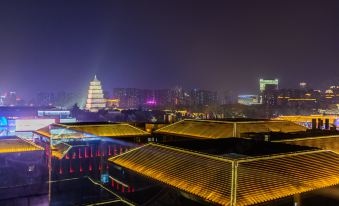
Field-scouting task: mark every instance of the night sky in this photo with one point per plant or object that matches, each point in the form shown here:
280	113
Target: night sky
217	45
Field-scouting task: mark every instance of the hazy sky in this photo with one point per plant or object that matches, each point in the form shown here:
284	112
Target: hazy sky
60	45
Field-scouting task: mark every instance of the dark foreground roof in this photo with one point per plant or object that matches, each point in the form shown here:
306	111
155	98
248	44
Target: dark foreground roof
242	147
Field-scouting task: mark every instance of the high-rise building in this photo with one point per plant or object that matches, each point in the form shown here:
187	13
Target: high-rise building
128	97
2	100
164	98
226	97
268	84
95	98
45	99
132	98
202	97
9	99
268	91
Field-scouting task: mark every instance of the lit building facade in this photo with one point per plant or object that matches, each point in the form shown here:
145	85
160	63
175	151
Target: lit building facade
130	98
268	91
265	84
9	99
95	98
46	99
248	99
112	103
200	97
303	85
331	95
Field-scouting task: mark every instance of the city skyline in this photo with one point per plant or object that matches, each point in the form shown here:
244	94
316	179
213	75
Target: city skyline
69	98
191	44
110	90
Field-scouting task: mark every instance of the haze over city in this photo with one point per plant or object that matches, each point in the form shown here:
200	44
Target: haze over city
227	45
169	102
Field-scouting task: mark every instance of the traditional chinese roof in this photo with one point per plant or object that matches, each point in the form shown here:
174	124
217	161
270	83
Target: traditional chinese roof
203	175
208	129
108	130
16	144
239	181
323	142
60	150
85	130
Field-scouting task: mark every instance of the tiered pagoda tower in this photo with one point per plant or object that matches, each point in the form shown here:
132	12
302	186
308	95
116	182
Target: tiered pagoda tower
95	99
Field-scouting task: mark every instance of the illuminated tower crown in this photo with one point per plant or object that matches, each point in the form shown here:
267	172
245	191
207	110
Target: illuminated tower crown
95	98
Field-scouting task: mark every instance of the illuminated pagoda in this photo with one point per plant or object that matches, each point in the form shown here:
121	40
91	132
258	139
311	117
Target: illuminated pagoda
95	98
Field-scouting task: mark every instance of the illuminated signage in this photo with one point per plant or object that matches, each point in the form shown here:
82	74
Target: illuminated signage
54	113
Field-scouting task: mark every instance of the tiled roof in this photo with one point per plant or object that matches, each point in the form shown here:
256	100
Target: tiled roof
16	144
207	129
224	181
109	130
60	131
323	142
203	175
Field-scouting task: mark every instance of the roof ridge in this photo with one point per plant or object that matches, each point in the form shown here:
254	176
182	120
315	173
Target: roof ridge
129	151
279	155
191	152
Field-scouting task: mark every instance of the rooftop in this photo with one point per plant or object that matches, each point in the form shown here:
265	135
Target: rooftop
229	181
236	147
11	144
60	150
212	129
323	142
87	123
89	129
